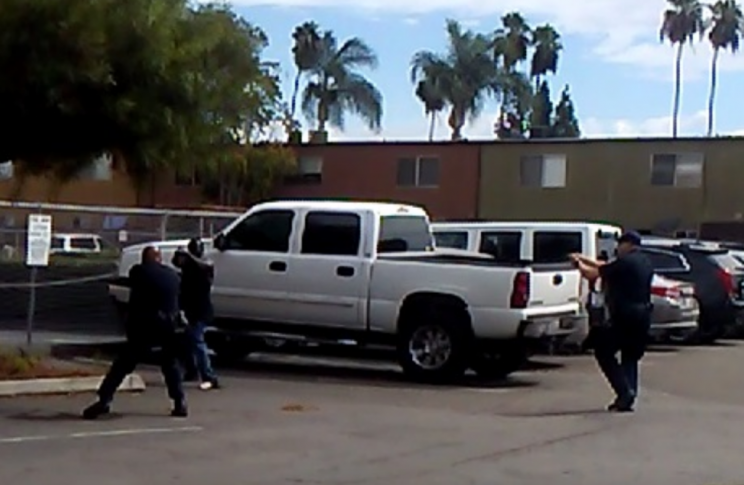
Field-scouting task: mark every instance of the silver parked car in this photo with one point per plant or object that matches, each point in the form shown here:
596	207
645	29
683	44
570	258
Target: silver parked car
676	311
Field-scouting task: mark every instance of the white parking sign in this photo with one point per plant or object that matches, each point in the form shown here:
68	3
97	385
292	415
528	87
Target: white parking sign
39	239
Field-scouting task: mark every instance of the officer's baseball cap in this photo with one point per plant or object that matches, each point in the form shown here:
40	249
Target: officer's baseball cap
631	237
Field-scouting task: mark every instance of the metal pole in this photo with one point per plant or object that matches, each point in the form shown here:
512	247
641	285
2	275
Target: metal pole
31	307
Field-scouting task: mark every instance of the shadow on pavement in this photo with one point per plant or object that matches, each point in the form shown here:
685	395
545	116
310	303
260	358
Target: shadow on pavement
367	375
559	413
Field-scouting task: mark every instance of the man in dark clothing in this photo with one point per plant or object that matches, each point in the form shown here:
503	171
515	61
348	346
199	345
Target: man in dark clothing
197	276
152	322
627	290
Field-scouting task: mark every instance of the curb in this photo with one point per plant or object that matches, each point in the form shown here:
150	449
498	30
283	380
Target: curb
65	385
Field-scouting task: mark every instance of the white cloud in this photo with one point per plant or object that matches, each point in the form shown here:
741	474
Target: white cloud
692	124
622	31
411	20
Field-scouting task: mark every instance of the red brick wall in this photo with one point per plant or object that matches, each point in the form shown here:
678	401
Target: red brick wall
369	171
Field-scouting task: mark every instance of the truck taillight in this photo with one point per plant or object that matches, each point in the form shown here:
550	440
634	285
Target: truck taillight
520	294
663	292
727	280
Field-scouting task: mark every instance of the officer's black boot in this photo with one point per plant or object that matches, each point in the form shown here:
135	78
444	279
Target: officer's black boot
180	410
96	410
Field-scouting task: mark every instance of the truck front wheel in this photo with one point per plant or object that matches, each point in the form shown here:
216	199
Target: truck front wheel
434	346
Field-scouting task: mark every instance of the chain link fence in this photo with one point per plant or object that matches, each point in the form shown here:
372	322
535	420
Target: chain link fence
71	294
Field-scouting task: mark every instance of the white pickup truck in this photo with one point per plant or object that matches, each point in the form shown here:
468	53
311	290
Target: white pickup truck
366	274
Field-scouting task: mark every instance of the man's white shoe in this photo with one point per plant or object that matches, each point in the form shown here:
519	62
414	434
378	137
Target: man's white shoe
205	386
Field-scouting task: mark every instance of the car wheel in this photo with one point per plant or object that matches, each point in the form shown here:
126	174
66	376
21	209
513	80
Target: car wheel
435	348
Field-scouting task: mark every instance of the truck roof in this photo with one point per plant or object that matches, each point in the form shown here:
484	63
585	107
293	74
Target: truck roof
378	208
527	224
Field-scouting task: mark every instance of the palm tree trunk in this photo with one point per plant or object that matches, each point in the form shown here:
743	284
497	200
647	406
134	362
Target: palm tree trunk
295	91
322	115
432	124
677	89
712	95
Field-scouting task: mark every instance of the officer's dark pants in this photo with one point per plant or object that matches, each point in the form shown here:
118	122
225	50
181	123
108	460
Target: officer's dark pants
134	353
629	341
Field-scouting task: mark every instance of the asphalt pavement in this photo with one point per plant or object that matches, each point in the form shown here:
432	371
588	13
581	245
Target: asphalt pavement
285	420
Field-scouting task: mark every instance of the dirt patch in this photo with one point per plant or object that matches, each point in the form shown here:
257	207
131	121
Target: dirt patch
18	364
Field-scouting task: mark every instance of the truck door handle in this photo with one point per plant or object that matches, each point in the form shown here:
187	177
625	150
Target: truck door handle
345	271
278	266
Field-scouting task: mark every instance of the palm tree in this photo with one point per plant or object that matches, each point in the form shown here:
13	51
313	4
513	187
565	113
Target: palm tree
725	33
512	40
547	44
305	52
464	75
335	88
430	95
510	48
680	24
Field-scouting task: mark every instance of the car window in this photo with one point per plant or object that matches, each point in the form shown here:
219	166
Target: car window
727	260
455	240
663	261
555	246
83	243
404	233
57	243
504	246
267	231
332	233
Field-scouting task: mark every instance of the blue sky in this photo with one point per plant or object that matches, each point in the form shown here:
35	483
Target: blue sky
619	73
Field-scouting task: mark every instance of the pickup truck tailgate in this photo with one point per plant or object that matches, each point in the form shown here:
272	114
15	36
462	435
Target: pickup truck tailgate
554	286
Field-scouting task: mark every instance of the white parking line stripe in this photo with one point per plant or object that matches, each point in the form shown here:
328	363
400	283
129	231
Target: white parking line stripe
100	434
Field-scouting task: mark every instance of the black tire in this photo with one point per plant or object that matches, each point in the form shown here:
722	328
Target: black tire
499	365
449	323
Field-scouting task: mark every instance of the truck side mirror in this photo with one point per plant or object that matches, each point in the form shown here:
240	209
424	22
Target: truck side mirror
220	242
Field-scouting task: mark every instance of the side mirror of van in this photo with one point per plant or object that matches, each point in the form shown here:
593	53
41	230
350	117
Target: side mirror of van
220	242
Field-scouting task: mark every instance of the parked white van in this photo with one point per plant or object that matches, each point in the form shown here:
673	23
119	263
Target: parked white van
533	243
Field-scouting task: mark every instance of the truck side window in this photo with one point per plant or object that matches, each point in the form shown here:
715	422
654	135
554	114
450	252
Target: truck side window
332	233
555	246
455	240
505	247
268	231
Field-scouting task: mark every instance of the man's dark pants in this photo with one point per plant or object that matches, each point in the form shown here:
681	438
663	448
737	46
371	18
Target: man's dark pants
628	338
135	352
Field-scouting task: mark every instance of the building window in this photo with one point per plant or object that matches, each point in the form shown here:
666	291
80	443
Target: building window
418	172
6	170
546	171
309	171
677	170
100	168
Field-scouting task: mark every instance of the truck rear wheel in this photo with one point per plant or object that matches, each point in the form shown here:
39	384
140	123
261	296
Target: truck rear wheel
433	345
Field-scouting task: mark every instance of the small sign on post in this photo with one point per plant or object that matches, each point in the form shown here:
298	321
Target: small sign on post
38	246
39	240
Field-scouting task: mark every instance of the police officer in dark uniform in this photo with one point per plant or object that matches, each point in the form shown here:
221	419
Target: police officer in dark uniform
197	276
152	322
627	287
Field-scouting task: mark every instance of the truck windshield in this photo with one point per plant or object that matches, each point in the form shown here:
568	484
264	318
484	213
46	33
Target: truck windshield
404	233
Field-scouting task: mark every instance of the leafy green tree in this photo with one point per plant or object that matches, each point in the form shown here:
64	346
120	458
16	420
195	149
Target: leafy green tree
681	23
565	123
248	174
306	51
541	116
725	32
464	75
157	83
335	87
